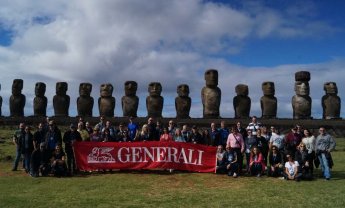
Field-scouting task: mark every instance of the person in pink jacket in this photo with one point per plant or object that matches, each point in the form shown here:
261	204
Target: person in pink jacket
236	142
166	137
257	162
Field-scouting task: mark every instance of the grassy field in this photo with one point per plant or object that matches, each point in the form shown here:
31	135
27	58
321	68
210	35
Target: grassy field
162	189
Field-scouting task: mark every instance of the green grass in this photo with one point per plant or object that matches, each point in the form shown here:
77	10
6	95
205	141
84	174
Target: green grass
161	189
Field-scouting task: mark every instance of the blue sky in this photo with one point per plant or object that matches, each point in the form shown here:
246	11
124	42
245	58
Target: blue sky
172	42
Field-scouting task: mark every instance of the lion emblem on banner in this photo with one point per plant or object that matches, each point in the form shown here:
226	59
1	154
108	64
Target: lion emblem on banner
100	155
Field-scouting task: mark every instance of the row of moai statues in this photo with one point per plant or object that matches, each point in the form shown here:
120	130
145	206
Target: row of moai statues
210	94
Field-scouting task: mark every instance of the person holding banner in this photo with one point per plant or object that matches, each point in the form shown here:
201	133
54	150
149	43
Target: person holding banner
166	136
230	162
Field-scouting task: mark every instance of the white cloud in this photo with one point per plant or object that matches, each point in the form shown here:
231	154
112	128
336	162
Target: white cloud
165	41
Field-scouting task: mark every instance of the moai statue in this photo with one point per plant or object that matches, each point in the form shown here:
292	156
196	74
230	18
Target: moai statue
40	101
211	95
130	101
183	102
106	103
268	101
61	100
0	103
85	101
331	102
17	99
154	102
241	101
301	102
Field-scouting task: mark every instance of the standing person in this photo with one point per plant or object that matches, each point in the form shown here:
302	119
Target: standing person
111	130
171	127
17	140
132	129
151	126
236	142
178	136
224	133
85	136
195	136
324	145
39	136
207	137
221	167
250	142
96	136
309	142
69	137
166	137
27	147
241	130
185	132
262	144
277	140
254	125
53	137
159	130
101	123
122	134
88	128
214	134
292	140
144	134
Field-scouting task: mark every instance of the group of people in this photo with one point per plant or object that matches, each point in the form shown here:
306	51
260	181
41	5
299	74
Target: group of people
291	156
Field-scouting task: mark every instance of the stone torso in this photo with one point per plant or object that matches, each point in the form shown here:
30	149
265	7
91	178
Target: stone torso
301	106
61	105
269	106
17	104
182	105
242	106
130	105
154	106
40	106
85	106
106	106
331	106
211	101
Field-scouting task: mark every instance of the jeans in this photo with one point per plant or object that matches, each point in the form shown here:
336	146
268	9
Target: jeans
17	159
324	165
27	160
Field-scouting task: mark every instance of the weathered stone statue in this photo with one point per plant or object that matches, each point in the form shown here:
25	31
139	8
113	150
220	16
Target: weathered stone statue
331	102
106	103
211	95
268	101
301	102
61	100
241	101
154	102
0	103
17	99
183	102
85	101
130	101
40	101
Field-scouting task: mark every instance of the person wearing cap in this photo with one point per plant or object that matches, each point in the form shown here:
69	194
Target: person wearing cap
17	140
53	137
69	137
40	161
324	145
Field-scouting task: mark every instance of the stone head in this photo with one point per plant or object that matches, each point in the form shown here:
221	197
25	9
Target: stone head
302	88
40	89
17	86
61	88
85	89
268	88
242	89
131	88
183	90
106	90
155	89
211	77
330	88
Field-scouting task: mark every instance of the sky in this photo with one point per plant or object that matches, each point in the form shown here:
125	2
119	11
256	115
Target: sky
173	42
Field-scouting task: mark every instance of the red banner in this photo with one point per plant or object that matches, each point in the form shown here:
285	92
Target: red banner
145	155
